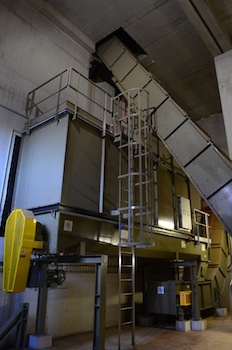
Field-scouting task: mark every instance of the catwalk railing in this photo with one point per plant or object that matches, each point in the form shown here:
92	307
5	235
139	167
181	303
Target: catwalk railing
67	91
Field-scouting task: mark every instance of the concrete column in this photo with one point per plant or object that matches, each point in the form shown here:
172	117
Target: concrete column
223	64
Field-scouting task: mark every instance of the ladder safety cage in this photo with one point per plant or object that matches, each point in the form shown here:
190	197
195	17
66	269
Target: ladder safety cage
132	132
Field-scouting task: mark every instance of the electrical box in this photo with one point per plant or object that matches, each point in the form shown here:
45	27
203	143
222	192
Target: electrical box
185	218
161	297
185	297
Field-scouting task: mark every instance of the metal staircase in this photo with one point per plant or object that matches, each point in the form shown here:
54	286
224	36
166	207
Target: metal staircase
208	169
132	133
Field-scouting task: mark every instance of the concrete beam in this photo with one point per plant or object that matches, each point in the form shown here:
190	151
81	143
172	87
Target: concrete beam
223	65
211	18
55	17
207	24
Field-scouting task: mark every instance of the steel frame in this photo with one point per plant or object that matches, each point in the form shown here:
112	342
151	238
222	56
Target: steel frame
101	262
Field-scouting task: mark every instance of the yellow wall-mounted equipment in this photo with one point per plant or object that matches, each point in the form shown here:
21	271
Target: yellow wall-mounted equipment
18	244
185	297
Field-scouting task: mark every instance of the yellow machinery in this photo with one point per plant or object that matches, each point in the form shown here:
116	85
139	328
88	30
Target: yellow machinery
18	245
185	297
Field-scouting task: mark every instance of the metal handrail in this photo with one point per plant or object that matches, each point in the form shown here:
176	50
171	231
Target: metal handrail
19	319
31	96
204	224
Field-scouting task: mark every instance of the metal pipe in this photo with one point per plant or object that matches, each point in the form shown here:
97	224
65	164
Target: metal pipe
41	311
174	195
156	218
103	157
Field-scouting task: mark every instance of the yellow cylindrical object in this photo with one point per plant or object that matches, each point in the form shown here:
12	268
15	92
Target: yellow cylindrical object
19	240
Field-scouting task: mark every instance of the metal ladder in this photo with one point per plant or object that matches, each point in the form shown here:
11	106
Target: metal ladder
132	132
126	302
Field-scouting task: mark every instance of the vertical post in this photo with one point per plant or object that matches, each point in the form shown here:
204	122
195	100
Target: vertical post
42	304
194	287
69	73
119	293
130	170
145	287
156	195
133	296
100	304
77	95
22	328
207	229
31	105
103	152
58	97
197	225
142	170
174	195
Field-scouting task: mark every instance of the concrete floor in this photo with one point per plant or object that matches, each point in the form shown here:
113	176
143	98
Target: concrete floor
218	336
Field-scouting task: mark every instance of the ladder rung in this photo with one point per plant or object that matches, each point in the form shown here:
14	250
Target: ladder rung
141	155
125	252
133	143
126	266
137	128
123	146
127	294
133	173
123	176
142	183
128	116
125	189
132	207
126	280
143	213
125	308
126	323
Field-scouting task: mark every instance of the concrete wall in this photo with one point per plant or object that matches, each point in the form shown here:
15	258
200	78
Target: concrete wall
223	67
32	50
215	128
70	307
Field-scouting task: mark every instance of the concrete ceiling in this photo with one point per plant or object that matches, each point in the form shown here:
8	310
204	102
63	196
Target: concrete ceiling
181	39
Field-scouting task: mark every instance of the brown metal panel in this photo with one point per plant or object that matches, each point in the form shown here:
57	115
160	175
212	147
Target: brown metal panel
82	167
